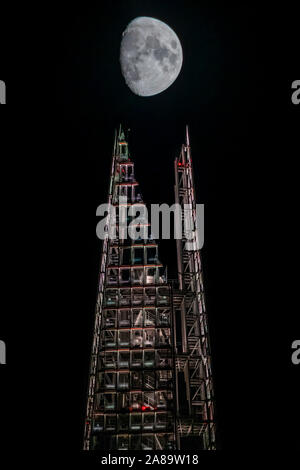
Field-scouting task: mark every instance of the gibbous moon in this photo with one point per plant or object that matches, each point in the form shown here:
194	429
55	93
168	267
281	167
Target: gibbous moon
150	56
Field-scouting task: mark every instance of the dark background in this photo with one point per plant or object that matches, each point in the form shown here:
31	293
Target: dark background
234	93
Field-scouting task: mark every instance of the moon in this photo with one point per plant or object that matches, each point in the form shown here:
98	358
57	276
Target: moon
150	56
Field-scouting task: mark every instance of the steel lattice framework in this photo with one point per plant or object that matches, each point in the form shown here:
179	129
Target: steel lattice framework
150	336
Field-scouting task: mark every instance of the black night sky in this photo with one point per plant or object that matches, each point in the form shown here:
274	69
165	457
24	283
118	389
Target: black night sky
235	98
222	94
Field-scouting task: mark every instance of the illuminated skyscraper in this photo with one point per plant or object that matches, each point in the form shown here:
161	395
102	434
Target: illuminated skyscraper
150	384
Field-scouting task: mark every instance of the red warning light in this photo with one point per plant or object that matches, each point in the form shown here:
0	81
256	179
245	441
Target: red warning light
144	408
130	408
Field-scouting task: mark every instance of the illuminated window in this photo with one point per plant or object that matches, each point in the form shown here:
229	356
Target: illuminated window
111	297
136	338
147	442
124	318
110	380
125	297
163	337
149	380
123	380
136	358
136	380
151	275
110	338
160	421
137	275
149	317
149	358
122	442
110	359
109	318
148	421
124	338
149	338
163	317
110	422
135	401
150	296
98	423
109	401
135	421
137	297
123	360
137	317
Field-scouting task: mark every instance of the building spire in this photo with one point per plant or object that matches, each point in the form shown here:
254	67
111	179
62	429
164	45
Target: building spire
187	138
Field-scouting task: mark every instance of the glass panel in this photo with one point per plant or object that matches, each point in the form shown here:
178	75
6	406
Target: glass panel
136	358
135	421
163	337
135	401
110	380
98	423
112	276
163	317
163	296
151	275
149	380
147	442
149	338
110	338
123	401
124	318
138	255
137	380
149	317
163	399
109	318
137	296
136	338
151	254
149	358
137	317
111	297
123	361
109	401
110	359
150	296
110	422
122	442
161	421
124	337
149	401
125	297
123	380
148	421
163	358
137	275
